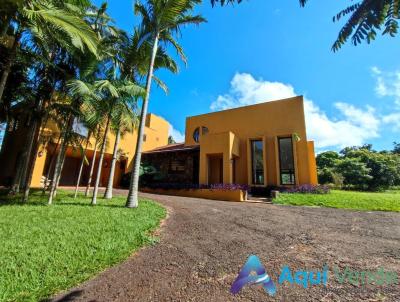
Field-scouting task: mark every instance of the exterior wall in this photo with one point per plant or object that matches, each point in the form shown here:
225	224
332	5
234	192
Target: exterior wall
235	195
265	121
313	163
156	131
225	144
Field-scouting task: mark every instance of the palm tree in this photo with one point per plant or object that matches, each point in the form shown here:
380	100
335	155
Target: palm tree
89	68
92	163
69	111
161	19
109	96
124	120
84	159
55	33
41	21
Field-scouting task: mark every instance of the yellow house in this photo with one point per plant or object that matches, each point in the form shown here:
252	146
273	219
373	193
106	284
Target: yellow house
259	145
156	135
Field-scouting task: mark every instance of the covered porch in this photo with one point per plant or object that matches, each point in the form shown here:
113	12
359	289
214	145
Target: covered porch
218	155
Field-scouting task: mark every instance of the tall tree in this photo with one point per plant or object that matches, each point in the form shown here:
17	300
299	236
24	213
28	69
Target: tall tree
124	120
111	95
41	21
161	20
83	161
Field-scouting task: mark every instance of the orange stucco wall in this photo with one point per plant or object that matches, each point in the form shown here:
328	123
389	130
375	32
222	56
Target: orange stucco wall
229	135
230	132
235	195
156	133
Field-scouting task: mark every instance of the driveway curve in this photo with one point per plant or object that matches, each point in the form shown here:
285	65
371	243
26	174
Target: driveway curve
204	243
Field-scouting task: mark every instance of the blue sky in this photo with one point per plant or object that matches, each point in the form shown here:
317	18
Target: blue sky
260	50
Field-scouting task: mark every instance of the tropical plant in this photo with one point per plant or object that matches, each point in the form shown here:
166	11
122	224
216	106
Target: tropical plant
124	120
42	21
55	33
82	164
161	20
110	97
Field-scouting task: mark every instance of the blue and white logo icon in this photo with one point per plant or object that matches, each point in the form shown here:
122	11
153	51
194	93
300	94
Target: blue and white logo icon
245	277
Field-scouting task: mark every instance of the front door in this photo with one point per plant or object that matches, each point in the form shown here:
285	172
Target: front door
215	169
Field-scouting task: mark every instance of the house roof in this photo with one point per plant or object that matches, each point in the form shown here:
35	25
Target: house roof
173	148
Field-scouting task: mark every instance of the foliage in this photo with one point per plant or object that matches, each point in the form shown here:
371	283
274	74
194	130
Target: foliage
189	186
161	23
48	249
354	172
396	148
365	19
365	201
309	189
359	168
171	140
327	159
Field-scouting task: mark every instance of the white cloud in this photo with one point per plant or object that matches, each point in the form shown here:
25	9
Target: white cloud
355	126
246	90
176	135
387	83
393	119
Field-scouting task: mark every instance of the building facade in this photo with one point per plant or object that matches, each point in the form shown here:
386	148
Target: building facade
259	145
156	135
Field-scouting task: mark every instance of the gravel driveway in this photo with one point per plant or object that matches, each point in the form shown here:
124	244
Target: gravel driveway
204	244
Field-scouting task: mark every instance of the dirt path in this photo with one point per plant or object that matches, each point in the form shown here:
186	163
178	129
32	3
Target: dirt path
205	243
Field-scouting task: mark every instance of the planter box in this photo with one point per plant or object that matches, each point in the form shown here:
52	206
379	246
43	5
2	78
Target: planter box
227	195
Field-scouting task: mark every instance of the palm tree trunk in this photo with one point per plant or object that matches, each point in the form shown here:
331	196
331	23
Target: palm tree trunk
17	177
92	164
109	191
56	171
100	164
132	200
6	26
52	161
60	161
81	167
29	158
60	173
8	65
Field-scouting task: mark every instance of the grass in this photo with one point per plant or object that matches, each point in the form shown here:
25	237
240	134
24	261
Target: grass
46	249
365	201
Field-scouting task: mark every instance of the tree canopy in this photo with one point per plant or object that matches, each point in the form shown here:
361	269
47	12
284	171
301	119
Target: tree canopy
360	168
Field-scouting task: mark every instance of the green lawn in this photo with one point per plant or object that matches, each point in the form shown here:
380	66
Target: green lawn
366	201
46	249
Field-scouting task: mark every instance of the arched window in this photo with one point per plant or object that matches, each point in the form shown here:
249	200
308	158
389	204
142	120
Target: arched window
196	134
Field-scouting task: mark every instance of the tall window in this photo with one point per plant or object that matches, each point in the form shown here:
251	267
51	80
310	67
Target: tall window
286	161
196	134
257	162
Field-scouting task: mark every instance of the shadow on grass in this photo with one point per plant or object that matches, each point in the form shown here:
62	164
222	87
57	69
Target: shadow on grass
67	298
